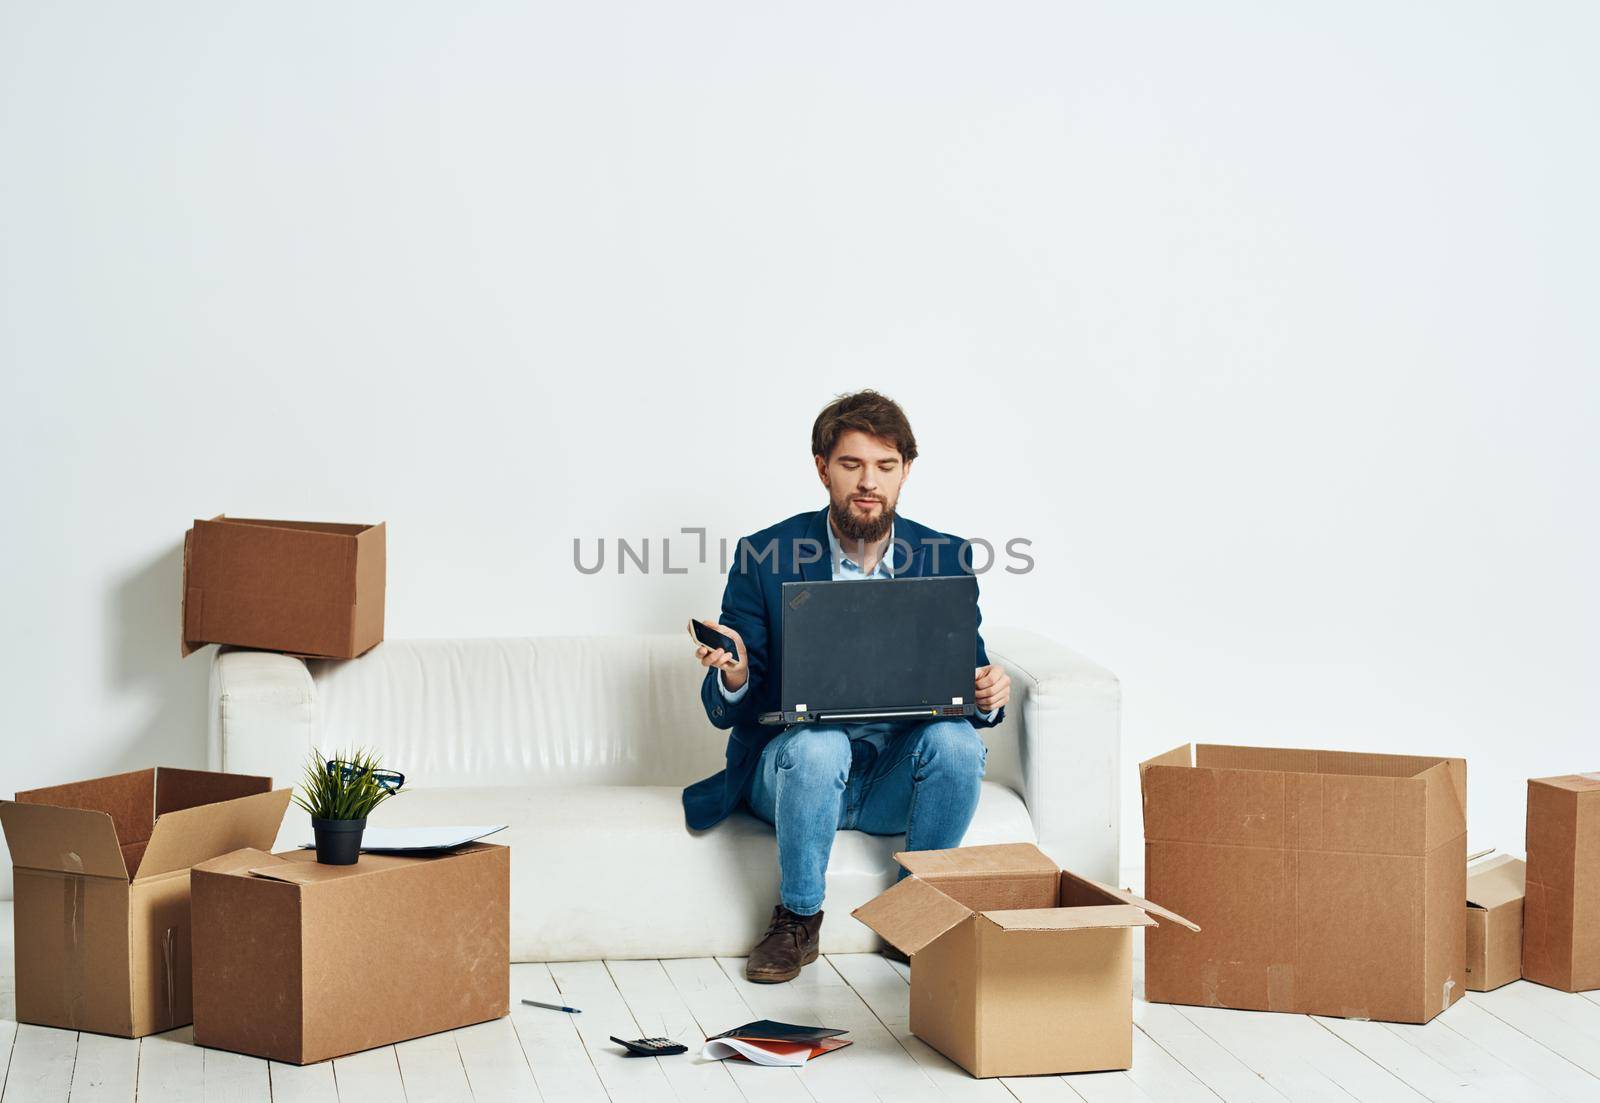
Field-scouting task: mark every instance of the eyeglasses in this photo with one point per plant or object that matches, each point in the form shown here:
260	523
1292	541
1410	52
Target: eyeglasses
346	772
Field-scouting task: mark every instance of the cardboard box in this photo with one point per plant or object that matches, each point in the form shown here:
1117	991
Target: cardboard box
301	962
1494	922
301	587
1561	918
1017	968
1328	883
102	890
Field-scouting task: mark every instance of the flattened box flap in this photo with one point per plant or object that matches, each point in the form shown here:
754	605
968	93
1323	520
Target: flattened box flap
191	835
235	860
998	860
1128	898
1498	881
912	914
69	840
1070	919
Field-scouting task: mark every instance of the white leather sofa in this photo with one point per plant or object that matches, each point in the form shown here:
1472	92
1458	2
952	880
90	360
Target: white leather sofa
582	745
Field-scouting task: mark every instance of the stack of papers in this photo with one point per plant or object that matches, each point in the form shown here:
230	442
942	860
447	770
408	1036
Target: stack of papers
400	840
768	1043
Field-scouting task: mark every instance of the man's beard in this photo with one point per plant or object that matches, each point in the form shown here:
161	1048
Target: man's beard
853	526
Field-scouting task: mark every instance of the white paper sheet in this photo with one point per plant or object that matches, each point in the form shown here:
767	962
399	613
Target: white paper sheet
420	838
718	1049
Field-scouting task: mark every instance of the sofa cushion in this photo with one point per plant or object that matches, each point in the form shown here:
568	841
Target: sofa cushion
578	850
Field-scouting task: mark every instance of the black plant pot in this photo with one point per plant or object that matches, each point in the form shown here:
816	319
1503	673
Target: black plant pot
338	841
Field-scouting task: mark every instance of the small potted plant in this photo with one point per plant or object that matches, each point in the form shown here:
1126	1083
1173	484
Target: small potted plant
339	793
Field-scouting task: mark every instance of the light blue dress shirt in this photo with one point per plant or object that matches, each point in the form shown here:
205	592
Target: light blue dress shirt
845	569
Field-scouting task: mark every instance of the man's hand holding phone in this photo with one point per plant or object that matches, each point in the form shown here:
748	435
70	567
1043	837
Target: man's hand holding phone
714	652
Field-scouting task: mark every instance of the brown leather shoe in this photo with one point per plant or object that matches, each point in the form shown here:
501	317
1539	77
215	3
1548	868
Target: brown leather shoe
790	942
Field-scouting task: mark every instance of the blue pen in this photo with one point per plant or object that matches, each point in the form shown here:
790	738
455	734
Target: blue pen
553	1007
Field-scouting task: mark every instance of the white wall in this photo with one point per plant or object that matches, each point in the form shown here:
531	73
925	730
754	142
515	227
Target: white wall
1271	325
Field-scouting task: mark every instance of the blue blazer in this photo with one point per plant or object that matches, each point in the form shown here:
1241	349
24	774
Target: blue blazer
752	606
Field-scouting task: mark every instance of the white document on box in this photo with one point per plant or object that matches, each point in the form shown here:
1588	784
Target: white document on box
718	1049
401	839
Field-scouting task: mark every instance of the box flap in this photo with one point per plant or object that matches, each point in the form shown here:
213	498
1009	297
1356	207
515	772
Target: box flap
236	861
1498	881
191	835
911	915
1133	900
1070	919
999	860
178	788
71	840
1178	756
128	798
300	867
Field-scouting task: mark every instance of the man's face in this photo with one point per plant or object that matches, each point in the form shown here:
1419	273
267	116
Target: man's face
863	477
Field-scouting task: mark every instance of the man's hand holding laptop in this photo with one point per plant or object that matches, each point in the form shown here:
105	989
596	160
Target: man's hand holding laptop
992	687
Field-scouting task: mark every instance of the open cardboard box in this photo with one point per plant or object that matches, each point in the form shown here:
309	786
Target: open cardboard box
102	890
1561	915
302	587
300	962
1328	882
1018	968
1494	922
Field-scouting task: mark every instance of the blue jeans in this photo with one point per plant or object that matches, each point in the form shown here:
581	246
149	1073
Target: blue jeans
919	778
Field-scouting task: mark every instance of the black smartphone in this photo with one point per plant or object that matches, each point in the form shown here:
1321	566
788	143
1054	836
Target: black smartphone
711	638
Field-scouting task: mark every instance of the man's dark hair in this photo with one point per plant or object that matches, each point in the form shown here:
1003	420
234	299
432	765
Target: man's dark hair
872	413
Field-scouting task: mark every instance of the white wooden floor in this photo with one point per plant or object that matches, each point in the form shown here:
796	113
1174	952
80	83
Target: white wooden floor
1522	1042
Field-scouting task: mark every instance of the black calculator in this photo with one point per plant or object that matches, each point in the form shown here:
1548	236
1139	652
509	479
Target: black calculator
650	1047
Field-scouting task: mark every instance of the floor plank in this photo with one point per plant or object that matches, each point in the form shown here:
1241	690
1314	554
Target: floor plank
1471	1065
1042	1089
172	1067
1421	1071
1559	1077
1161	1076
717	1006
371	1076
431	1070
550	1040
1205	1060
495	1064
105	1069
1513	1005
874	1067
588	986
299	1083
662	1013
41	1063
8	1039
1299	1059
885	993
235	1077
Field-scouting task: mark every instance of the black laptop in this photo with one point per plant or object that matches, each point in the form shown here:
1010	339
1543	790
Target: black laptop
864	650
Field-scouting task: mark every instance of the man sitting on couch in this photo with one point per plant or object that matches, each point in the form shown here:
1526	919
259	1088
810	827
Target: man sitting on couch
917	777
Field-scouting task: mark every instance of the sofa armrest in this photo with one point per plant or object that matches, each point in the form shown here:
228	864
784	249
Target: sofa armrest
1070	750
262	715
